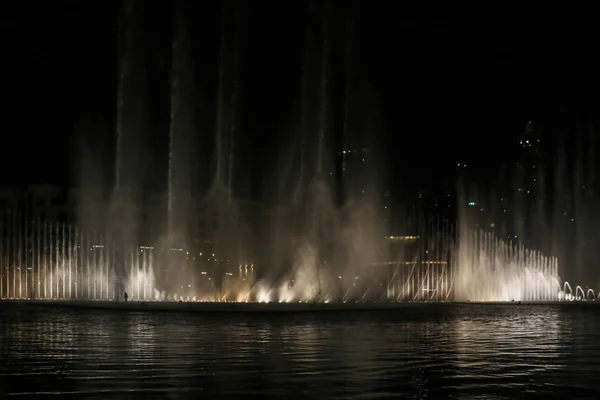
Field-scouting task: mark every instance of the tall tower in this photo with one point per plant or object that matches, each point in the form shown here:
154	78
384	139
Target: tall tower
529	160
529	205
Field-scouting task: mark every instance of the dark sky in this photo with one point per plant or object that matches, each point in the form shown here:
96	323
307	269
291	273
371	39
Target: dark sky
450	83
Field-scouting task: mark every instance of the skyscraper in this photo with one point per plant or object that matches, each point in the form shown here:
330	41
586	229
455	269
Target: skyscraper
529	160
529	221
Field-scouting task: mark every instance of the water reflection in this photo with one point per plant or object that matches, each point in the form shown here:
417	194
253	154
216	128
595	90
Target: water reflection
510	349
445	351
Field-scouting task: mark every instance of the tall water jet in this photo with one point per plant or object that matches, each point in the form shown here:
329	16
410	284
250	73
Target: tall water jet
323	88
347	93
123	35
234	99
181	164
319	225
331	242
132	115
221	149
228	232
125	209
294	172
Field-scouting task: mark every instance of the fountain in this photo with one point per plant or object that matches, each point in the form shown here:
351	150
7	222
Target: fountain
319	246
514	231
491	269
44	260
579	290
324	244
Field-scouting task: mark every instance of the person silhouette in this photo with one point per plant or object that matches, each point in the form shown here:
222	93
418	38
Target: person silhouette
125	296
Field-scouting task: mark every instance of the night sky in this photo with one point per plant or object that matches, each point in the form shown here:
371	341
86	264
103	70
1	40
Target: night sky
450	84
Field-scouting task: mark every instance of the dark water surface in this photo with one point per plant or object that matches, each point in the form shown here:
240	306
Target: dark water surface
429	352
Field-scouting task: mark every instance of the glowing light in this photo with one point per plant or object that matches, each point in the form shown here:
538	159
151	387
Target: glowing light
490	269
400	238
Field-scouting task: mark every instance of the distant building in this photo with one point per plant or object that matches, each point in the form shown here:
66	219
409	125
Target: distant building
529	161
513	206
363	178
527	194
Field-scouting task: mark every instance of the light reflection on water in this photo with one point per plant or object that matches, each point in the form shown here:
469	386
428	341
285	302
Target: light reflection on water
445	351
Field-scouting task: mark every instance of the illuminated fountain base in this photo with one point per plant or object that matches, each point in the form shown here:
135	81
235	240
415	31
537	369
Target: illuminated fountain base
490	269
219	307
62	266
256	307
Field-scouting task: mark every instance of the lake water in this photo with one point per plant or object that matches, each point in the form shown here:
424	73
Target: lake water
428	352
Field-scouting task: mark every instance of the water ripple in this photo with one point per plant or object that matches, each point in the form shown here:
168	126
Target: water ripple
446	351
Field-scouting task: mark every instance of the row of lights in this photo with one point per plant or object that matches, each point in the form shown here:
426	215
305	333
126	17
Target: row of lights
410	263
399	238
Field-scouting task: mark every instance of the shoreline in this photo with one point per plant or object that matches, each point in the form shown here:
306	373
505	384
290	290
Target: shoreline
255	307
